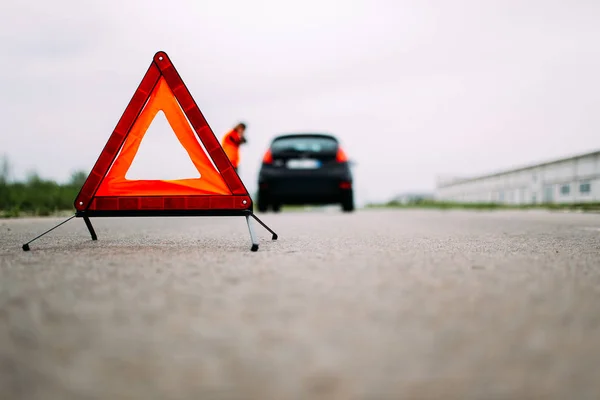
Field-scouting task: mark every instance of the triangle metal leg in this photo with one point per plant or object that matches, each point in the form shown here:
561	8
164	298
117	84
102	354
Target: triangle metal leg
252	235
90	228
274	237
88	223
26	245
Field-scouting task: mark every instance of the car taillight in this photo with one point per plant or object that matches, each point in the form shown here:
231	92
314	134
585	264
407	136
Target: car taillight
268	157
341	156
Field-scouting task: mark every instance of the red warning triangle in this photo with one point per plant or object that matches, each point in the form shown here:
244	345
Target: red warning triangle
219	188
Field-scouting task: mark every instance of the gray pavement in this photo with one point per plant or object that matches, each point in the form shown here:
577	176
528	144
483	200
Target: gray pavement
373	305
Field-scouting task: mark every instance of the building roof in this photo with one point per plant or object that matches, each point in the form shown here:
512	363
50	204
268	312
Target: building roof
457	181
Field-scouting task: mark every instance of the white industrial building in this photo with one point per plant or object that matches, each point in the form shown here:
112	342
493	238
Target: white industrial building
568	180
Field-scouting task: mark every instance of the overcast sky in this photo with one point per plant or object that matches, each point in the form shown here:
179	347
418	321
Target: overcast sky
413	89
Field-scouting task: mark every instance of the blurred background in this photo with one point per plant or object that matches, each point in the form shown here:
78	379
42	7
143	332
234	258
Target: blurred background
416	91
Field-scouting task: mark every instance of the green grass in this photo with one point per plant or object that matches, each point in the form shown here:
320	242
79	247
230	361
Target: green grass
38	197
442	205
295	208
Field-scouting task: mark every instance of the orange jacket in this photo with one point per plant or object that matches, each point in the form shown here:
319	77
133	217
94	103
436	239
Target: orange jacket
231	144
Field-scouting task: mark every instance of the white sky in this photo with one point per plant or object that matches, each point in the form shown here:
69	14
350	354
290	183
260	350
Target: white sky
413	89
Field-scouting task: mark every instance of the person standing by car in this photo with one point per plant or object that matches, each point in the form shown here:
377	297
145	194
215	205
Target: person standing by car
231	143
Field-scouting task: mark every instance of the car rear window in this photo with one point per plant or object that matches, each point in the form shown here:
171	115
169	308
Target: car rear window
300	144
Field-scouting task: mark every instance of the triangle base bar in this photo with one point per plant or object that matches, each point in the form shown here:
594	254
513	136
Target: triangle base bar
161	213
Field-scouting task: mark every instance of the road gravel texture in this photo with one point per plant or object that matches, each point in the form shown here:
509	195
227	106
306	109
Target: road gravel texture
378	304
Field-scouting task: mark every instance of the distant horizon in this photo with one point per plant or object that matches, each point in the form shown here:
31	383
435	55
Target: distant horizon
364	201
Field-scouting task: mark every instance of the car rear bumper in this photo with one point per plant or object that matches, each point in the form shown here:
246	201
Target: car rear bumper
305	187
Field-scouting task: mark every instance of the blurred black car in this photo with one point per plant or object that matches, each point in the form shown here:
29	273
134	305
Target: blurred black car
304	169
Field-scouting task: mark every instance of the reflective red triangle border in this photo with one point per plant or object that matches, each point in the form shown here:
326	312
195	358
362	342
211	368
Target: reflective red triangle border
239	202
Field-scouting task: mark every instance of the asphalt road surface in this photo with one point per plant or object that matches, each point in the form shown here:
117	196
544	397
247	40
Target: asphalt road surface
373	305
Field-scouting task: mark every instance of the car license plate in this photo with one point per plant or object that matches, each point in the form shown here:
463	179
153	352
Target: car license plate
303	164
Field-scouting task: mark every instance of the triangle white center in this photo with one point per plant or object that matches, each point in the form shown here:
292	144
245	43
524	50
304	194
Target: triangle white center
160	155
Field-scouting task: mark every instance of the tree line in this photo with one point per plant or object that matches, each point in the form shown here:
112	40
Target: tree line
35	195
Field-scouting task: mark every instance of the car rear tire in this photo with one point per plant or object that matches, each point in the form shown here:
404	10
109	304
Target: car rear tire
348	202
262	203
276	207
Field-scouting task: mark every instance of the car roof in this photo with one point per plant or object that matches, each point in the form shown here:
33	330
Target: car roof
305	135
